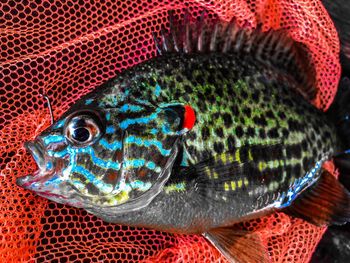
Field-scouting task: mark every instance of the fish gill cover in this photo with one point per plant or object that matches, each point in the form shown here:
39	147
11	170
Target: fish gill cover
67	48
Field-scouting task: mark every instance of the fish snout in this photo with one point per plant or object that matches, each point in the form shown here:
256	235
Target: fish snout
43	161
37	151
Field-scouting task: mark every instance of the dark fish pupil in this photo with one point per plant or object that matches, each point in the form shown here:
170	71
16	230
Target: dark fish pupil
81	134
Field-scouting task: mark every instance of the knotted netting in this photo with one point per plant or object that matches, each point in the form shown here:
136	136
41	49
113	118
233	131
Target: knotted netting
66	49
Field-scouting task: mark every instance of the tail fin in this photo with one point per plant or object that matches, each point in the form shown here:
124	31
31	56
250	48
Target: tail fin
339	112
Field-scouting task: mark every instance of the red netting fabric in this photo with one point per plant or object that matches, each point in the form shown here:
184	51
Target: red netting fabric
69	47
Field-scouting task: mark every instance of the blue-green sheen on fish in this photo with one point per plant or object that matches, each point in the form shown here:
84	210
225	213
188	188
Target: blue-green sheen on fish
215	130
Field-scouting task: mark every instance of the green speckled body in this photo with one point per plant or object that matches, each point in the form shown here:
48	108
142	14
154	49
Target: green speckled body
237	103
248	118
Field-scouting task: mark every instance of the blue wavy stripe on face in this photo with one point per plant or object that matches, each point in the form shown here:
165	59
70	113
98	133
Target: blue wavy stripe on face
147	143
60	154
53	139
110	129
134	163
130	108
143	120
98	161
142	186
117	145
106	188
137	163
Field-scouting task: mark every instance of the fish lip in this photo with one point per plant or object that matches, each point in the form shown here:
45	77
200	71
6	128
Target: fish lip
36	149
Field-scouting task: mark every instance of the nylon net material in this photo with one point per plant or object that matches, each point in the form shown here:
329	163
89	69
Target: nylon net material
66	48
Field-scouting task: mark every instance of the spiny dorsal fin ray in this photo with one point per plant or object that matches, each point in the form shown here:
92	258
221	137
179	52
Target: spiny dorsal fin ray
273	48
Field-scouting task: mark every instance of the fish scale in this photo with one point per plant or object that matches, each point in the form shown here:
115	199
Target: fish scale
282	123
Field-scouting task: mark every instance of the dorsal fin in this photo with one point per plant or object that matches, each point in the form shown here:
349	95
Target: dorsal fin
273	48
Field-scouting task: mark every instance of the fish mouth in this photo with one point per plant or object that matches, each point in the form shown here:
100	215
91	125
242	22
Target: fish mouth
43	180
36	149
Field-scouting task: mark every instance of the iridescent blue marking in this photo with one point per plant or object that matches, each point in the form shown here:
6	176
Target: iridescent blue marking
184	161
134	163
347	151
106	188
299	184
151	165
72	167
140	185
157	90
110	129
142	120
98	161
88	101
147	143
108	116
137	163
60	154
49	165
117	145
131	108
59	124
166	129
154	131
53	139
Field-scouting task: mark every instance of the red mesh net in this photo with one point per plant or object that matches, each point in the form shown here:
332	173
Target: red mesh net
69	47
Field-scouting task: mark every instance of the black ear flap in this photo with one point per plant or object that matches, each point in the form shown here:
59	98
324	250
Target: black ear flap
179	118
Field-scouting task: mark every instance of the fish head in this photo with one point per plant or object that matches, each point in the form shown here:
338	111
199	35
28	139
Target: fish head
97	155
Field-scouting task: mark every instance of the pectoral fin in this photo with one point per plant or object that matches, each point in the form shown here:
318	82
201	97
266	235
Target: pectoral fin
238	245
326	202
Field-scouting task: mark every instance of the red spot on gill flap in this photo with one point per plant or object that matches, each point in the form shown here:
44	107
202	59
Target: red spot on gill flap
189	118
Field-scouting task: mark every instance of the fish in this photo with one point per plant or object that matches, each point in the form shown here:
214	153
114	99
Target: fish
214	130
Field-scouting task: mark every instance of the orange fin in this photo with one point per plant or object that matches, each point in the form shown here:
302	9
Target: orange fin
238	245
327	202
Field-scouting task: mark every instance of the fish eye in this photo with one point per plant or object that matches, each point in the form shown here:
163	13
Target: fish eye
83	129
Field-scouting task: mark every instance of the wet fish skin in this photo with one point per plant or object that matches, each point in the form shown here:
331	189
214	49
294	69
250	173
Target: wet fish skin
247	116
